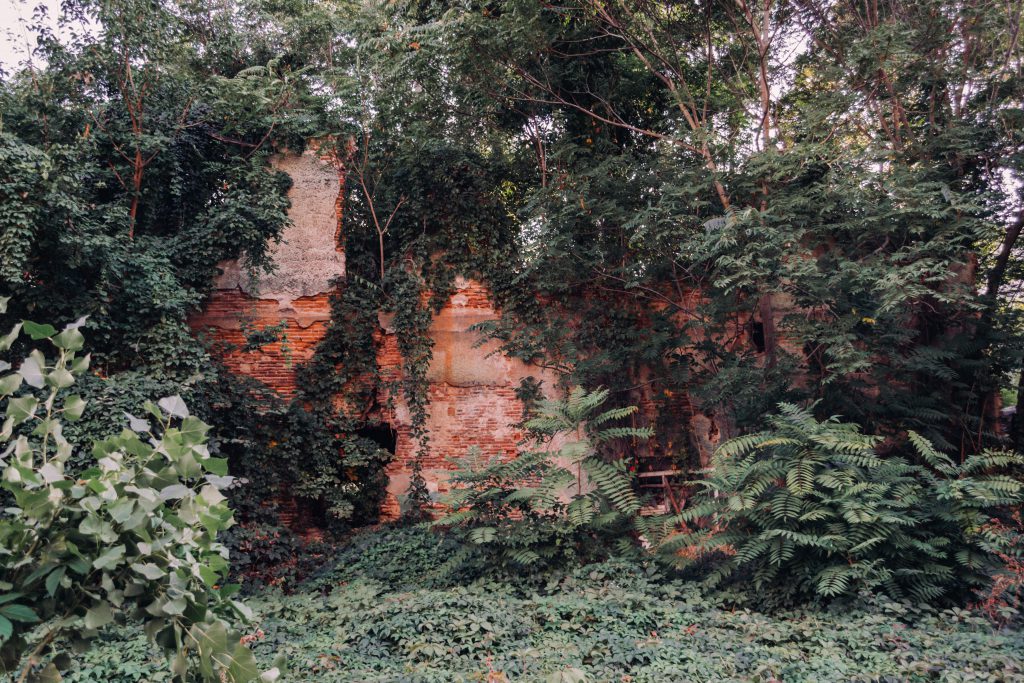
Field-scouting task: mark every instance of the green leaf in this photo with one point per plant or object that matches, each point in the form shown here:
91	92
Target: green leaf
484	534
9	384
193	430
60	378
239	663
53	580
49	674
6	629
218	466
150	571
80	365
37	331
9	597
74	406
8	339
173	406
21	613
110	558
69	340
31	371
210	577
99	615
175	607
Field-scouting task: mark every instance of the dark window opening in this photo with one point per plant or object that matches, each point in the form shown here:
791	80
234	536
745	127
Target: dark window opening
757	335
382	434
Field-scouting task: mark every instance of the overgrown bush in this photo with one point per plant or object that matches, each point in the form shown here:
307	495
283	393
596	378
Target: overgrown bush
133	537
269	555
282	455
811	507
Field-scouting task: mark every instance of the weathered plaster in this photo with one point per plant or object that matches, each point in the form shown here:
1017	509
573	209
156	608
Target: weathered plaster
308	257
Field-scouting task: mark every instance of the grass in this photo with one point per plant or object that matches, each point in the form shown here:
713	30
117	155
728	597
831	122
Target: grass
385	611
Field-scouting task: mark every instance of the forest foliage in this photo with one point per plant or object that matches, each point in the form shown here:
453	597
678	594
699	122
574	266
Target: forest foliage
812	204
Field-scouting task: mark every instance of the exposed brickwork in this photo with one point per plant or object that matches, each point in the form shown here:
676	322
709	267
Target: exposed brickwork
309	255
273	364
472	396
472	399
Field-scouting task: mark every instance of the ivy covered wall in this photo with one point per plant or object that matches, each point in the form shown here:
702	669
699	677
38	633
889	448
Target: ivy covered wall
271	330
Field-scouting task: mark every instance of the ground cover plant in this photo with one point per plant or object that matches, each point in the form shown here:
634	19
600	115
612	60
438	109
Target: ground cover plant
385	613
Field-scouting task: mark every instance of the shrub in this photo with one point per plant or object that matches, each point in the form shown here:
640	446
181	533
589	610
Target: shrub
265	555
812	506
133	536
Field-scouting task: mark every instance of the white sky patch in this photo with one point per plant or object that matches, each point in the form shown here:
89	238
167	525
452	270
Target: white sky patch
18	22
16	40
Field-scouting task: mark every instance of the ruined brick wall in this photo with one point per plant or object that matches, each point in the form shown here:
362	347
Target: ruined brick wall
471	392
273	364
296	295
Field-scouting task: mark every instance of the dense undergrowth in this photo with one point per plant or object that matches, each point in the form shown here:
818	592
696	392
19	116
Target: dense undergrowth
383	612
